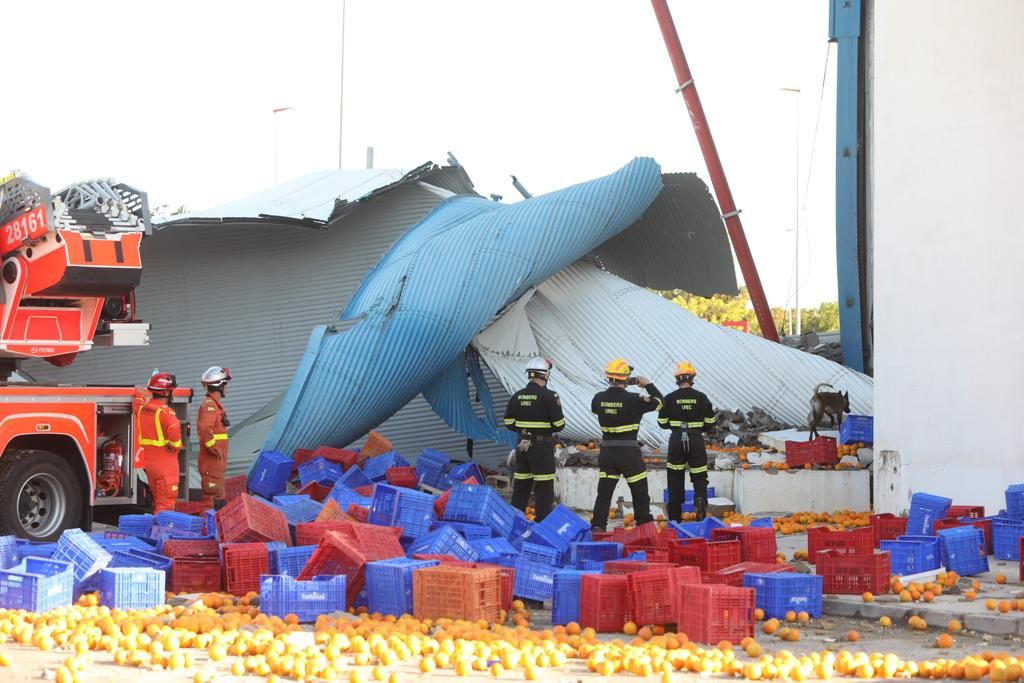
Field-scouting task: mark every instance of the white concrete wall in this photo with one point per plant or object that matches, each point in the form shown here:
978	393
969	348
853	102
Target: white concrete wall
946	149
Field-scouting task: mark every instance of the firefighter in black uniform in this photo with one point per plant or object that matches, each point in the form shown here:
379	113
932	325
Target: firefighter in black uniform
619	412
535	413
687	412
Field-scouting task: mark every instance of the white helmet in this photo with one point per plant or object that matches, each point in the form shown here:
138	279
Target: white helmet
538	367
216	375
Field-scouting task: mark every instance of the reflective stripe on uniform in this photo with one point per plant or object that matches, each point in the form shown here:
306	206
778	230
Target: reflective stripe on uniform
660	404
160	440
694	425
523	475
699	470
605	475
559	423
621	429
663	420
710	420
675	423
510	420
214	439
673	466
521	424
543	477
636	477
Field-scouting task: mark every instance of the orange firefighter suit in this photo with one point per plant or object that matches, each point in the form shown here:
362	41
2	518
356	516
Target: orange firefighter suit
160	439
213	447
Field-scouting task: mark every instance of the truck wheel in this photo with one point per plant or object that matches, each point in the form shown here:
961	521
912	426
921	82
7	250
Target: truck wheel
39	495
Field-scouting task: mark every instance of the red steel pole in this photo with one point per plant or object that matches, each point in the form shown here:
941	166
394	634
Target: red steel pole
718	179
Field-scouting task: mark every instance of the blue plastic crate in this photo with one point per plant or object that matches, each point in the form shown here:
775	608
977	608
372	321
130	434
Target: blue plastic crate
131	588
963	550
282	595
594	550
493	549
565	601
290	561
910	556
779	593
535	552
469	531
319	470
406	508
1006	535
591	565
37	585
763	523
925	510
376	468
179	521
299	511
137	525
561	527
344	496
286	498
87	556
432	468
443	541
8	552
857	429
460	473
520	525
638	555
697	529
354	478
140	558
534	580
389	584
1015	501
210	529
40	550
687	495
269	474
130	543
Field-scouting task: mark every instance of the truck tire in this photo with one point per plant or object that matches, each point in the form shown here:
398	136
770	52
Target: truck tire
40	495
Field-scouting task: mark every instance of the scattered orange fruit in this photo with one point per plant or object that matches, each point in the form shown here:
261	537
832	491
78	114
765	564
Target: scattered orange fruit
852	636
944	641
868	597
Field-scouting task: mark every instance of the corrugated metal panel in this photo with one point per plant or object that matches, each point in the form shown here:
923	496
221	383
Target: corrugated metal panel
440	284
583	317
246	296
680	243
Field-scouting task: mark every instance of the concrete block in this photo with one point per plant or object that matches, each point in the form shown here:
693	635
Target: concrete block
576	487
758	492
995	624
839	608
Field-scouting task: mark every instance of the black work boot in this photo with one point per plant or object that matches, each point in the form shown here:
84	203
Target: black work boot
700	508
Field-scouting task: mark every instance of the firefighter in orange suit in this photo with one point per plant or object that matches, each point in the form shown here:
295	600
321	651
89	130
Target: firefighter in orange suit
213	424
160	439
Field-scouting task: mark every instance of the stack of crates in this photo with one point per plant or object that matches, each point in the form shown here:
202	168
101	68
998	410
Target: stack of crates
887	527
348	550
389	584
925	510
712	613
852	542
963	551
653	595
846	574
283	595
37	585
130	588
756	545
413	511
565	602
269	474
709	557
481	505
779	593
376	468
136	525
457	592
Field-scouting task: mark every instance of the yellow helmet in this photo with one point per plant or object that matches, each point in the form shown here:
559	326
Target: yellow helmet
618	369
685	367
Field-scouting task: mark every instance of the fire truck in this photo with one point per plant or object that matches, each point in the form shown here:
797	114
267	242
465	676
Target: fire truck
71	261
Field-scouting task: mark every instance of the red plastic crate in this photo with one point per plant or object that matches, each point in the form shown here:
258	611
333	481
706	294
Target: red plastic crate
315	490
653	553
187	547
235	486
846	574
457	592
508	580
733	576
339	456
311	533
401	476
196	575
859	541
301	456
757	544
598	536
711	613
346	552
442	501
247	520
244	564
364	491
820	451
887	527
358	512
710	557
604	602
972	511
330	512
645	533
624	566
192	507
377	541
653	595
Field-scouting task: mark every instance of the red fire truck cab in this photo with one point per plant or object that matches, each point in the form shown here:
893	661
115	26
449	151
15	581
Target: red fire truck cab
70	265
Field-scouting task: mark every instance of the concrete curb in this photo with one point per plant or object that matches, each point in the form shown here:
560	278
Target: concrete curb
937	615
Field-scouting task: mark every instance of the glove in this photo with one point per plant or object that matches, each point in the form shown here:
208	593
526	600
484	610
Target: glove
511	459
685	442
523	445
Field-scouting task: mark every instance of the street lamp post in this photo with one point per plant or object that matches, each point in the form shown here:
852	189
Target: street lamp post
276	112
796	214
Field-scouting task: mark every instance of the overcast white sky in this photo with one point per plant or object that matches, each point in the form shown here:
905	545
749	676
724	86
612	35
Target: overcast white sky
176	98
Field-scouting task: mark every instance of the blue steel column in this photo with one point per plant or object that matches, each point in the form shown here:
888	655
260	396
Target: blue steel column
844	29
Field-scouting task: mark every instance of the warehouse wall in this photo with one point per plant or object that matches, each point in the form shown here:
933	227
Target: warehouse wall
946	146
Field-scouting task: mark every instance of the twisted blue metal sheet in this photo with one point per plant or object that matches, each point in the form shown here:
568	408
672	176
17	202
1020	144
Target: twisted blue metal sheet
440	284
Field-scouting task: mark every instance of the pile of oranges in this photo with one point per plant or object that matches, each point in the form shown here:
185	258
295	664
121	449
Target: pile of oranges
927	592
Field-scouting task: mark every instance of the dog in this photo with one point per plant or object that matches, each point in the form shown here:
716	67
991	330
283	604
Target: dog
831	403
